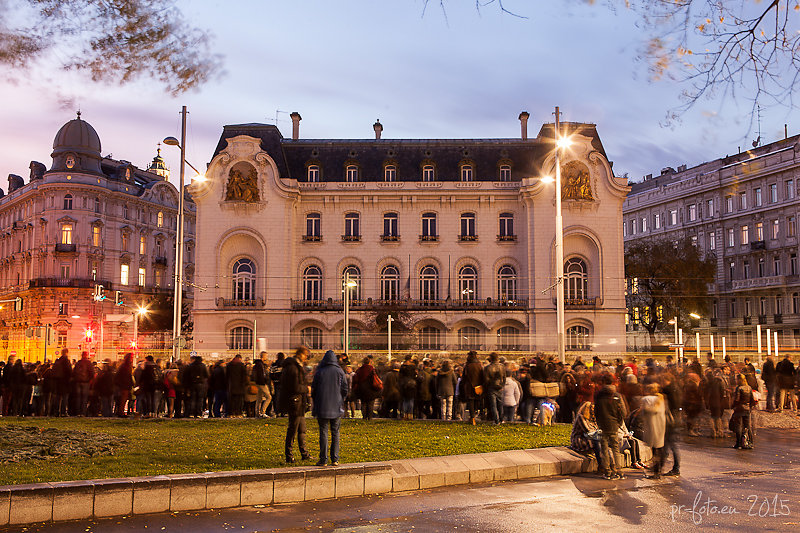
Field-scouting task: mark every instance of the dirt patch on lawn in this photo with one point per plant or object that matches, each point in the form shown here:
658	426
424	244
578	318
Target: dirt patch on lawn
26	443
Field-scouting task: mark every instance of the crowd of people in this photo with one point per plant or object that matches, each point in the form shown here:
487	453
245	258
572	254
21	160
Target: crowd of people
612	406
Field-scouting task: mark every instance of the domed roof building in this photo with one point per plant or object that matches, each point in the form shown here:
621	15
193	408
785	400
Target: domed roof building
89	221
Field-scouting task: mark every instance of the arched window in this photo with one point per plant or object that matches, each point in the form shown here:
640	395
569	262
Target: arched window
506	283
311	337
355	281
429	283
312	283
469	338
577	338
352	173
430	338
244	280
428	173
68	202
505	172
468	283
466	173
240	338
160	219
577	279
313	173
508	338
390	283
390	173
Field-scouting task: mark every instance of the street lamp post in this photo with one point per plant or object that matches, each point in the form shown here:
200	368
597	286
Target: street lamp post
559	245
348	284
389	321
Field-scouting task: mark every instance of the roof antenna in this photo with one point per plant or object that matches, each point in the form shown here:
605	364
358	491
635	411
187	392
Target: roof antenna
758	139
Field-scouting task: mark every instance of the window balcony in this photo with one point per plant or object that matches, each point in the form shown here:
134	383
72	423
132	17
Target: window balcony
390	238
62	248
714	322
747	320
351	238
778	318
68	282
369	304
758	245
160	260
428	238
578	303
312	238
507	238
762	319
231	303
468	238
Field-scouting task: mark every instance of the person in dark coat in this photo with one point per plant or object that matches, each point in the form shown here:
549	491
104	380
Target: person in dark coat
328	392
293	400
715	395
495	378
104	389
82	375
740	420
275	375
392	395
147	387
365	387
692	403
259	377
237	385
408	386
471	378
123	383
785	371
424	401
218	384
15	377
445	389
770	377
672	395
610	415
195	384
62	375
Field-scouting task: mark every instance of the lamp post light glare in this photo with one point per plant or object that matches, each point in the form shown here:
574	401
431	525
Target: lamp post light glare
348	284
140	311
695	316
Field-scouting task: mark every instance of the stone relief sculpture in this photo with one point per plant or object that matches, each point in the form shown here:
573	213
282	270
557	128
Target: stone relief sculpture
575	182
242	184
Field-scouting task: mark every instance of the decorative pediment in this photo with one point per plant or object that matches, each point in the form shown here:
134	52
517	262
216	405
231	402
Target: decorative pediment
66	220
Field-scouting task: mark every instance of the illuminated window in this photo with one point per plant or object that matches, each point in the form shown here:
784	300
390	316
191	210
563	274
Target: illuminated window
66	233
577	338
142	245
124	272
240	338
160	219
96	236
142	277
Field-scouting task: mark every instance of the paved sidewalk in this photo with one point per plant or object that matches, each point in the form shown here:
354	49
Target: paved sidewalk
80	500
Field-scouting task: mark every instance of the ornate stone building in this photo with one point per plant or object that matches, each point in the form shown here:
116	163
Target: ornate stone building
452	238
743	210
89	220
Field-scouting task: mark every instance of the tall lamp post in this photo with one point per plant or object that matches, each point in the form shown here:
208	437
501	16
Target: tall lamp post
389	321
177	304
348	284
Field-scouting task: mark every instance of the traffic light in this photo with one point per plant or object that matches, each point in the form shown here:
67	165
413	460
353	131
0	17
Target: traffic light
98	293
133	345
118	297
89	335
17	304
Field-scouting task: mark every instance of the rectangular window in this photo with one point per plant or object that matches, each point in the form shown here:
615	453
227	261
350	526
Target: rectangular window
733	307
428	173
776	266
123	274
788	189
710	208
505	173
429	226
694	241
791	227
657	221
795	303
313	173
633	226
313	229
468	226
773	193
506	226
745	234
776	228
125	241
746	270
351	225
692	212
644	224
63	308
65	271
748	307
673	217
142	276
96	236
93	270
762	268
729	204
757	197
466	173
732	270
624	229
61	340
793	264
731	239
390	225
778	305
742	200
759	231
142	245
66	234
712	241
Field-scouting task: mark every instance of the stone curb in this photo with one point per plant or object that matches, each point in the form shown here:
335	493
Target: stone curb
103	498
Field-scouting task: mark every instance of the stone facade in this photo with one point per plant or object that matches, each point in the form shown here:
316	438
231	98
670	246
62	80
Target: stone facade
452	238
742	209
88	220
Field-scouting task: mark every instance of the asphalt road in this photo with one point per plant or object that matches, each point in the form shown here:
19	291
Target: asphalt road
721	488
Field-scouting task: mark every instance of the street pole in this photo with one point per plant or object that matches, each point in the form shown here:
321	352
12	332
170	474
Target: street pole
559	246
347	313
758	334
177	307
775	346
675	320
389	321
712	345
680	341
724	353
136	330
769	342
697	344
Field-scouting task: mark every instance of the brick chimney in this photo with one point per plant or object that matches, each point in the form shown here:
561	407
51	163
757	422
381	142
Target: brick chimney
296	118
378	127
523	122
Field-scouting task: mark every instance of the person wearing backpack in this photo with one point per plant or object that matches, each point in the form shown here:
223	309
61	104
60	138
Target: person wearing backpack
367	386
495	379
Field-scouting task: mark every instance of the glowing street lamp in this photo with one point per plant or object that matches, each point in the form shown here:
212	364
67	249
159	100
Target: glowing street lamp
140	311
348	284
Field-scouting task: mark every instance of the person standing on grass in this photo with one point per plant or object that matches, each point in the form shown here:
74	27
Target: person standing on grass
62	375
237	385
328	392
293	398
260	377
82	375
495	374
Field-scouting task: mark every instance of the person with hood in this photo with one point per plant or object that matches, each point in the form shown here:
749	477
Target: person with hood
328	392
609	412
293	398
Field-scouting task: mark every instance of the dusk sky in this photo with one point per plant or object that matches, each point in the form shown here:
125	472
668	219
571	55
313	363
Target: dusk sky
343	64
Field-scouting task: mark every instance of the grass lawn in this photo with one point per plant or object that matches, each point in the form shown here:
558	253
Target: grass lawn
159	446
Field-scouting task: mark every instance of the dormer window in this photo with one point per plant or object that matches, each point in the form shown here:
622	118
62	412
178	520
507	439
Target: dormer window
70	161
68	202
466	173
390	173
505	172
313	173
352	173
428	173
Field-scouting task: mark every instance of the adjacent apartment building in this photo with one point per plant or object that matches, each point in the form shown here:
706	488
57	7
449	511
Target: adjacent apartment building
743	210
452	238
86	221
